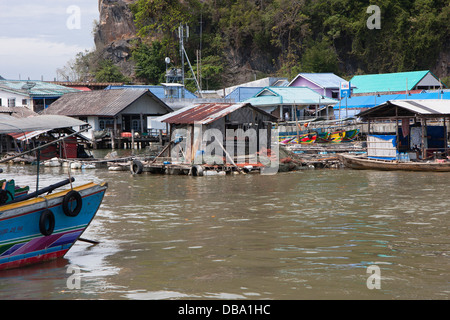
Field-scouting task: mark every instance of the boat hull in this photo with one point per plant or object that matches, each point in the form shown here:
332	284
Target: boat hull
304	139
22	241
363	163
321	137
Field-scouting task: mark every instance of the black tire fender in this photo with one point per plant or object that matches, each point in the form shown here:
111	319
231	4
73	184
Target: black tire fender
5	195
197	170
136	167
47	222
67	203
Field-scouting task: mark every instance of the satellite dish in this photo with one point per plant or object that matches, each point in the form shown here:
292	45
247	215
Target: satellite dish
167	60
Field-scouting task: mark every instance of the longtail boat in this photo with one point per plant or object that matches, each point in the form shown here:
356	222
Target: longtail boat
304	139
323	137
350	135
336	137
37	229
39	226
363	162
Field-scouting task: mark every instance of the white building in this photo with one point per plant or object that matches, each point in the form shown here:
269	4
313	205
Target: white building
34	95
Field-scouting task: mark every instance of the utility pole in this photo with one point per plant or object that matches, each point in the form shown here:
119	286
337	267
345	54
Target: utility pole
182	35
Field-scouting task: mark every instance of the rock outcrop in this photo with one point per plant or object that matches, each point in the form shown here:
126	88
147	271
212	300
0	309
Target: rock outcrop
115	32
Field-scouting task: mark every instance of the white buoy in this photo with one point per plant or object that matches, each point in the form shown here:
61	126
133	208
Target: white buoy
75	165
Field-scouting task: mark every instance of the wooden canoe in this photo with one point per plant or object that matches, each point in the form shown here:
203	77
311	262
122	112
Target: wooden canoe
362	162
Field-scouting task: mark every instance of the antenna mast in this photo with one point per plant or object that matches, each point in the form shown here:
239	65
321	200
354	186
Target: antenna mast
183	32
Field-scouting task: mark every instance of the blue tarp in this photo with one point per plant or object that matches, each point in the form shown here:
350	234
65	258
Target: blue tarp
156	90
350	107
387	138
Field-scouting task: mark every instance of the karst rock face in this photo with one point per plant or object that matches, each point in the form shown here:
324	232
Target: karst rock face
115	32
115	23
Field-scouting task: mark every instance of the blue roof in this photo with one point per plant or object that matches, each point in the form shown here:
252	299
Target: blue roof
374	100
156	90
386	82
243	93
270	96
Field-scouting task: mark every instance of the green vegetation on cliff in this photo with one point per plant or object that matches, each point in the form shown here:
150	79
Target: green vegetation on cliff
284	37
245	38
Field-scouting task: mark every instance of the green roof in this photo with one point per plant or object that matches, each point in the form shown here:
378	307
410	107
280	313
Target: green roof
387	82
271	96
35	88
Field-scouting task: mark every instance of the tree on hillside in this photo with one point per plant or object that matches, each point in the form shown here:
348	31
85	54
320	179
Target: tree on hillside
108	72
283	37
149	59
320	57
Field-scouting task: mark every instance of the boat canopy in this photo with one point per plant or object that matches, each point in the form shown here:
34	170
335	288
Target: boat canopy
43	122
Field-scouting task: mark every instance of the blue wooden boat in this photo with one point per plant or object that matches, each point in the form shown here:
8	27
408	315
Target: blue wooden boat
37	229
43	225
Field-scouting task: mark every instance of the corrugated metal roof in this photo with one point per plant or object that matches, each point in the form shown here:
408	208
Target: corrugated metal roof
424	106
156	90
44	122
243	93
204	113
430	107
323	80
270	96
35	89
99	102
260	83
17	112
7	110
387	82
374	100
24	136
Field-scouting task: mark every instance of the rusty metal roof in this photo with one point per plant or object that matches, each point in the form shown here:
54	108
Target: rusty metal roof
205	113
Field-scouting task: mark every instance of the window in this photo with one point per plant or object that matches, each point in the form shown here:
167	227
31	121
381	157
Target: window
105	123
11	102
84	126
136	125
1	102
24	102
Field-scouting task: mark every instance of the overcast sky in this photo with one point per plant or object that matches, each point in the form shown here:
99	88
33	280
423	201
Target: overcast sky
39	36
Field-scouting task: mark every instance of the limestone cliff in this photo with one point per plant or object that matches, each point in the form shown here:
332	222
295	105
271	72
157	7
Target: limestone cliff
114	33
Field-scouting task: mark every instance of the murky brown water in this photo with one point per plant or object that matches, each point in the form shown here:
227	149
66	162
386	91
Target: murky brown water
310	234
